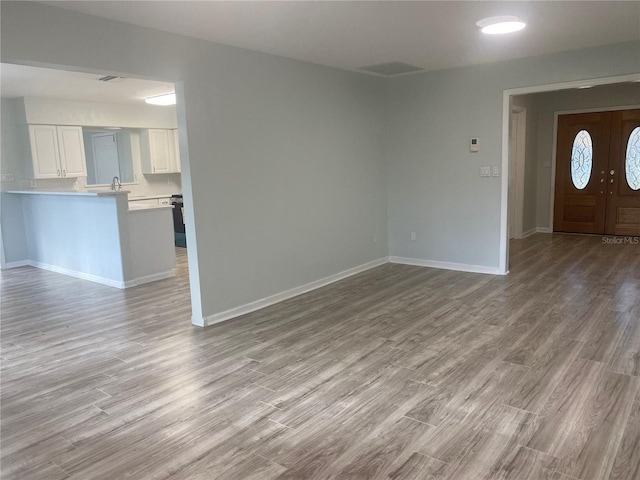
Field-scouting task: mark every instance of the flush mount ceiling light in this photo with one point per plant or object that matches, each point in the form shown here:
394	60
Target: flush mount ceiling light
166	99
500	25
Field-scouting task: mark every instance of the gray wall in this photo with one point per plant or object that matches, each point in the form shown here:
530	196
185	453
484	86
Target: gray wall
92	247
434	186
14	242
284	177
285	161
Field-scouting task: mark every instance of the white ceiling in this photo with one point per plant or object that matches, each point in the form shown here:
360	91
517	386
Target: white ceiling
24	81
353	34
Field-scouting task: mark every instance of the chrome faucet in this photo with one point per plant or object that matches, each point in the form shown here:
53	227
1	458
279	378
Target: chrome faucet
116	183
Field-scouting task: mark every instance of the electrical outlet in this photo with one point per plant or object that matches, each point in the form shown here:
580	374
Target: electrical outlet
8	177
413	236
496	171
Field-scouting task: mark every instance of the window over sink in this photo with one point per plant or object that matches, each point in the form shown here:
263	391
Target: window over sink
108	154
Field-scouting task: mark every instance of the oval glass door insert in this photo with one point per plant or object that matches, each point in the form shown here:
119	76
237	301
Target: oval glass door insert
581	159
632	163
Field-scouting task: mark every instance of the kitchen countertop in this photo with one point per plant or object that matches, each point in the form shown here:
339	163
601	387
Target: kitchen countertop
105	193
148	197
133	208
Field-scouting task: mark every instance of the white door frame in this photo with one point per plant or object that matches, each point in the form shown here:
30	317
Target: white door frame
517	163
506	114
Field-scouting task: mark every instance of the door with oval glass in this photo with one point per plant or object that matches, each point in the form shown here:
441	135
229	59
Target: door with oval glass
598	173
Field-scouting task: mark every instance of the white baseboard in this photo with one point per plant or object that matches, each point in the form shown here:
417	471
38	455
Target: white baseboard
460	267
533	231
149	278
279	297
97	279
528	233
82	275
19	263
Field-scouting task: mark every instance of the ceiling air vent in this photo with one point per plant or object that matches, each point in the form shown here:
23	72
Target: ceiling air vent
111	78
393	68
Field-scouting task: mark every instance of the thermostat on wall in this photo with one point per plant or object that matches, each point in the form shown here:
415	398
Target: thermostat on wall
474	144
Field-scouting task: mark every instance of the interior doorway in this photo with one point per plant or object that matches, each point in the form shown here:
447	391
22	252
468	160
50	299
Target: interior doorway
543	103
103	129
597	183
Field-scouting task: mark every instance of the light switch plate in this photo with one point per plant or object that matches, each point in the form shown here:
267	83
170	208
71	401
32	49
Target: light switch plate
485	171
474	144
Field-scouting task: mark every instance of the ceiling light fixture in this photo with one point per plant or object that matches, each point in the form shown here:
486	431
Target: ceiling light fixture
166	99
500	25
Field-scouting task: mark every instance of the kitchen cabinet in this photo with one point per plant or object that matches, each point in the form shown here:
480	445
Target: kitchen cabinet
159	151
56	151
175	159
71	147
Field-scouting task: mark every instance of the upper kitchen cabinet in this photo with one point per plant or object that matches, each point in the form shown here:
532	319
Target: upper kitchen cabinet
72	156
56	151
176	151
158	149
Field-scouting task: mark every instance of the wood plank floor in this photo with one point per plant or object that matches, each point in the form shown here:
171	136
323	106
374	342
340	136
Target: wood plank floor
400	372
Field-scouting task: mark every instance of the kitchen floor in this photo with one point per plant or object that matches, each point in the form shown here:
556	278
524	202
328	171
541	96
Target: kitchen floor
400	372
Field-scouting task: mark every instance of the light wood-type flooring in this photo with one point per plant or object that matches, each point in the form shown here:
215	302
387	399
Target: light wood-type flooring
399	373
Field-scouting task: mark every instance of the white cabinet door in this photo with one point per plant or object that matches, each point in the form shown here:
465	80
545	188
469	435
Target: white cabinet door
72	157
175	149
44	151
160	151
